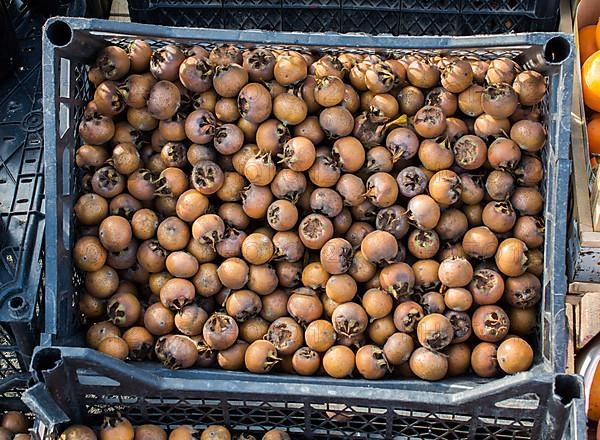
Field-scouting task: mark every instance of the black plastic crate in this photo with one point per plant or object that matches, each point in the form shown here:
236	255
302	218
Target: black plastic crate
71	8
21	194
8	39
75	8
11	391
80	386
22	207
69	47
397	17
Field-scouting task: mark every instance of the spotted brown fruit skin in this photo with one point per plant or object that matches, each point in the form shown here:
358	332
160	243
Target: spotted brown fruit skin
116	428
261	356
428	364
484	359
371	362
312	213
339	361
514	355
490	323
435	331
176	351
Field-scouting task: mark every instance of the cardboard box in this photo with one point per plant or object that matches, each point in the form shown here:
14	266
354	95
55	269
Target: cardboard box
584	234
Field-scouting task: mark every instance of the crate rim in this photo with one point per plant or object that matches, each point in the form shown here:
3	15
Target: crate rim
390	390
324	39
561	394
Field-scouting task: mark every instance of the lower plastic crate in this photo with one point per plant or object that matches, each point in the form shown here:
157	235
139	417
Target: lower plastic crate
70	44
397	17
15	349
7	39
11	391
72	8
22	207
83	386
21	194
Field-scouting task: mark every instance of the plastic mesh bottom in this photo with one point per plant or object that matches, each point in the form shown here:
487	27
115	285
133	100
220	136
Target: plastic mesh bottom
322	420
410	17
11	392
10	363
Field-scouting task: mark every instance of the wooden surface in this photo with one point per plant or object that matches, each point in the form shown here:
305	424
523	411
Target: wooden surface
584	298
581	288
566	16
588	313
570	310
119	11
596	202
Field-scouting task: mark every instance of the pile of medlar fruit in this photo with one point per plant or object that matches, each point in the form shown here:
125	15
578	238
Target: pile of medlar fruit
341	213
14	425
119	428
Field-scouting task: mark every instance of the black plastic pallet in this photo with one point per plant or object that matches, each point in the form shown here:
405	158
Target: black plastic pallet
22	205
21	194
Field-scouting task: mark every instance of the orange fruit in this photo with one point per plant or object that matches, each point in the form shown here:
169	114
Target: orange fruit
593	132
590	81
593	410
587	41
598	34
